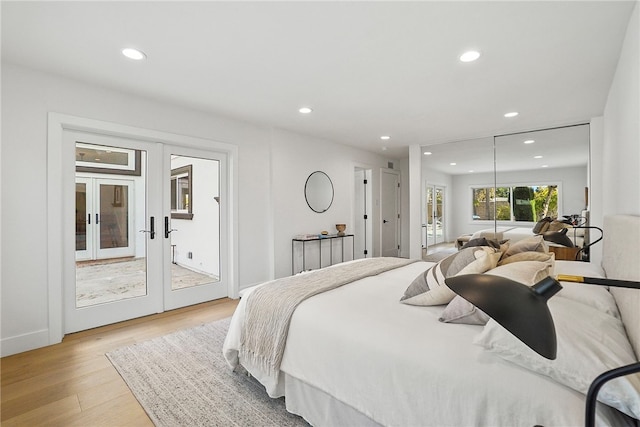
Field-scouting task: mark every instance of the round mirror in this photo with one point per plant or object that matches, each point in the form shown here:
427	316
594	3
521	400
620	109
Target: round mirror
318	190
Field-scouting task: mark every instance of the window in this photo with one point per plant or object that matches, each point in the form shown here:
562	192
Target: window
104	159
181	195
528	203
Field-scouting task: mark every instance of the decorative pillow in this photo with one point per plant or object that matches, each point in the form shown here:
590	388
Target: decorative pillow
482	241
590	342
528	273
542	225
530	244
429	287
529	256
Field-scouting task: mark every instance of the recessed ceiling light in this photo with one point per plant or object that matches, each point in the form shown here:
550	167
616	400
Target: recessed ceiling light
529	141
544	166
471	171
305	110
453	163
511	114
385	137
470	56
135	54
537	157
427	153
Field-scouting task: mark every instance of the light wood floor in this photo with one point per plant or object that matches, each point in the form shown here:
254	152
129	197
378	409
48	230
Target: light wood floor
74	384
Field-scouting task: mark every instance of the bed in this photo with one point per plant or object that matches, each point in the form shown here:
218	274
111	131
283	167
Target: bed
356	356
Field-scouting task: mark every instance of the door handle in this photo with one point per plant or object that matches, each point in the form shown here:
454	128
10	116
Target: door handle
97	218
152	232
384	221
88	218
167	231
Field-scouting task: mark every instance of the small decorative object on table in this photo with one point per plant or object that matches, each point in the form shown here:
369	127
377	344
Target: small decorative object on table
341	228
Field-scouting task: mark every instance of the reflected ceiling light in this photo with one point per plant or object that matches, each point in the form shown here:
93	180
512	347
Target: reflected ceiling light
470	56
453	163
544	166
134	54
471	171
529	141
305	110
511	114
427	153
385	137
537	157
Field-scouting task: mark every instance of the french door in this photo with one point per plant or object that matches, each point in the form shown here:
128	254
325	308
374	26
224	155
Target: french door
148	223
435	214
104	229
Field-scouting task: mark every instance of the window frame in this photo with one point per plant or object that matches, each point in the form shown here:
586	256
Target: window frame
175	174
511	187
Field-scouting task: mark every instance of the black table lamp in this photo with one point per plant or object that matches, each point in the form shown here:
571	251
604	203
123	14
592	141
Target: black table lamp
523	311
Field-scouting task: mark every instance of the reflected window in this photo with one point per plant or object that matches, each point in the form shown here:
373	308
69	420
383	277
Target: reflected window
528	203
181	194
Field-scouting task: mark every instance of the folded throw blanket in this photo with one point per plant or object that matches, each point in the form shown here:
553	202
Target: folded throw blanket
270	307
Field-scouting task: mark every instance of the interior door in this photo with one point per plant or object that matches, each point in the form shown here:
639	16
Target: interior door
193	217
116	223
390	212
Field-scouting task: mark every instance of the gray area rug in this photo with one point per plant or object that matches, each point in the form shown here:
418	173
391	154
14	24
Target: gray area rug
182	379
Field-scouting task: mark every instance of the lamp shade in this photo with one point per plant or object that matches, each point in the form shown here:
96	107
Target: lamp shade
520	309
560	237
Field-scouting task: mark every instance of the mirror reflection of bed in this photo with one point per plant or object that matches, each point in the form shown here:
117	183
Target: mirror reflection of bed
484	180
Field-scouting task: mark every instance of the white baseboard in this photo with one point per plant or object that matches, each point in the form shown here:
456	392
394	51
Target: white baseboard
25	342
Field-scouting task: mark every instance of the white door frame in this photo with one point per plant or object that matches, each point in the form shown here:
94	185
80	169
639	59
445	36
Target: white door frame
59	154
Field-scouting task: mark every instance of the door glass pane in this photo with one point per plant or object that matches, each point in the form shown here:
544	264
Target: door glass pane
114	216
195	221
429	213
81	216
438	215
115	265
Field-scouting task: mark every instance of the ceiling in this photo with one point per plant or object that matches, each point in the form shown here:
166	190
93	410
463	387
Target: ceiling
366	69
549	148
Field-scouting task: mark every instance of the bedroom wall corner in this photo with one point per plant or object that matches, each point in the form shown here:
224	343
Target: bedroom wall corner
621	142
293	158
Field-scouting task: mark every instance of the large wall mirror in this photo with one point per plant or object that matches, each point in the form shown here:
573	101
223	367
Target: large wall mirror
506	180
318	191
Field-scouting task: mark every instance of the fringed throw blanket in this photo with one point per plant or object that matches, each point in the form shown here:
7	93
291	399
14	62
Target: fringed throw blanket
270	307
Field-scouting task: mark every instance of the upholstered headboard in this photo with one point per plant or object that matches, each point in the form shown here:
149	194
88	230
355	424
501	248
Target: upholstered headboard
621	260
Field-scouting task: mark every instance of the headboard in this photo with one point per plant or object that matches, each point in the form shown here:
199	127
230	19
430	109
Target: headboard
621	260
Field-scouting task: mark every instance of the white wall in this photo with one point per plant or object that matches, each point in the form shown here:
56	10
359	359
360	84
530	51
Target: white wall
293	160
273	166
615	156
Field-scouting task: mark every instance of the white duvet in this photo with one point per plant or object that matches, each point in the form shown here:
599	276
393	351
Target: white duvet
400	366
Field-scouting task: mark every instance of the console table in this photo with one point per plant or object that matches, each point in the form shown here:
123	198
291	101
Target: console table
331	237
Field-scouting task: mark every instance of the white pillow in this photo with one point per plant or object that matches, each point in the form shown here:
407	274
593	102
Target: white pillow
590	342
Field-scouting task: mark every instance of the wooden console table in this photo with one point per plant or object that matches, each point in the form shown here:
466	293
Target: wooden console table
330	238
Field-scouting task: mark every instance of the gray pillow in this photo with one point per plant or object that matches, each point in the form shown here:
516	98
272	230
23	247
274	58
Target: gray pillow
528	273
429	287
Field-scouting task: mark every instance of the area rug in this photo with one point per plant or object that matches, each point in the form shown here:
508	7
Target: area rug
182	379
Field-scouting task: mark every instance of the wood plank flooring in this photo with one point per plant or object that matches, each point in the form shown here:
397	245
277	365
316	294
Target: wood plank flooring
74	384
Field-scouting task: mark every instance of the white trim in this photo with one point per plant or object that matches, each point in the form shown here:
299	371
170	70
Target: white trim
20	343
56	124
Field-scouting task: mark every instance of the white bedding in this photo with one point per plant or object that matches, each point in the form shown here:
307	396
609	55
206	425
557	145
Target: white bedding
398	365
513	234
